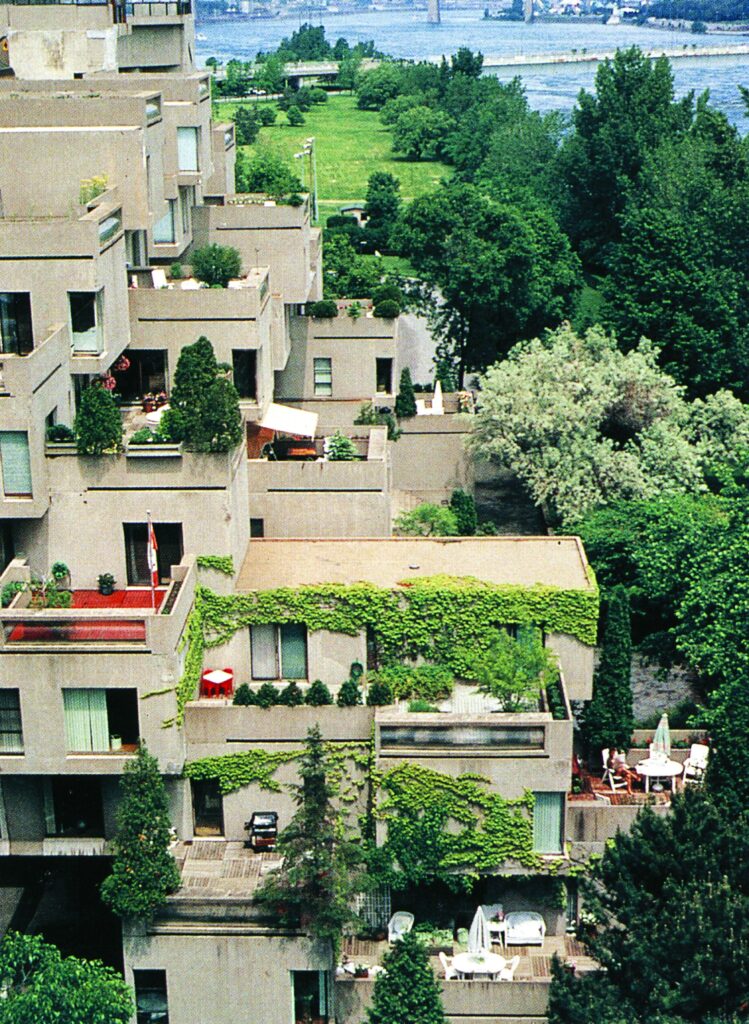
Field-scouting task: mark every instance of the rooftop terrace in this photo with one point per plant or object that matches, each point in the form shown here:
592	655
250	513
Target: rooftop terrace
524	561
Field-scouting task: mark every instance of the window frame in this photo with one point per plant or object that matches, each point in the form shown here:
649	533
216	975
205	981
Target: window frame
13	493
171	217
7	731
23	341
322	387
278	652
182	151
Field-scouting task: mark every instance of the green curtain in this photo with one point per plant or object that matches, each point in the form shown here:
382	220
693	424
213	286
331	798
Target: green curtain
86	720
547	822
293	651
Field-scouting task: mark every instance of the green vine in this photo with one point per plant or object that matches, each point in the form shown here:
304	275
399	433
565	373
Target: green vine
233	771
194	638
220	563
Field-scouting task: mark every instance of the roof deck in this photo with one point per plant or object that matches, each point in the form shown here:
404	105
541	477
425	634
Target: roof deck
523	561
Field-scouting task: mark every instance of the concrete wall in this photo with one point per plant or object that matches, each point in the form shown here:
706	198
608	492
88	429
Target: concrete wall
82	41
223	159
206	493
321	499
266	234
576	659
591	824
430	459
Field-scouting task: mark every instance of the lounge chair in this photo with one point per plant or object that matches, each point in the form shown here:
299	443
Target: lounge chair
447	965
525	928
695	764
399	925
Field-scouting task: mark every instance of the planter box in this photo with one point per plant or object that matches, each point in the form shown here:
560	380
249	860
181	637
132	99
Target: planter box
153	451
60	448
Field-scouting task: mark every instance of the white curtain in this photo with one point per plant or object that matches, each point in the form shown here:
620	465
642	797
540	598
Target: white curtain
187	149
264	646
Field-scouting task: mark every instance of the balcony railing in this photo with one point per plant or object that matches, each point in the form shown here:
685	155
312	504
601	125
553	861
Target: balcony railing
122	10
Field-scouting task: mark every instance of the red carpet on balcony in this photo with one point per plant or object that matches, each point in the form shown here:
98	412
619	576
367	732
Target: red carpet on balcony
119	599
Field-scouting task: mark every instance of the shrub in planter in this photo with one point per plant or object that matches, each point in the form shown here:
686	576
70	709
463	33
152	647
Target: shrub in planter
267	695
318	694
106	583
324	309
216	264
379	694
9	591
341	448
146	436
428	682
176	271
60	573
349	694
98	425
291	696
387	310
245	696
60	433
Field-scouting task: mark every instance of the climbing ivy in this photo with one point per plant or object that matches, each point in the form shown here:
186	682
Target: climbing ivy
448	829
233	771
221	563
439	618
194	639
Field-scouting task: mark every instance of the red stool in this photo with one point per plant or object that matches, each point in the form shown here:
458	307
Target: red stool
217	682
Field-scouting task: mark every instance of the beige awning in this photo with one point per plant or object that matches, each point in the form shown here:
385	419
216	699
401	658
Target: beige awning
285	420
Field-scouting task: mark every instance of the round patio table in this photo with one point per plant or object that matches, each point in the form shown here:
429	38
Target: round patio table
478	963
654	768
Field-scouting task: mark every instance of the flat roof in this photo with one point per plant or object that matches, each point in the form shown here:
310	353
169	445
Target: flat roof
525	561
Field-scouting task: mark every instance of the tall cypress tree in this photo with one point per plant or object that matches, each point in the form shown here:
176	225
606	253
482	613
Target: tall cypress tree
405	400
608	719
144	872
408	990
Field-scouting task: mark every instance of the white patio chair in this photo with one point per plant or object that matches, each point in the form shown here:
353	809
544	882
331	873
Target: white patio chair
508	971
448	968
695	764
602	798
399	925
609	775
158	277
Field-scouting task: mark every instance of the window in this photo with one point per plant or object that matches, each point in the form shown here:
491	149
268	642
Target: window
186	203
73	807
187	149
11	733
492	737
86	321
257	527
244	361
109	227
385	376
324	377
207	808
279	652
169	551
16	463
548	817
310	994
135	248
97	721
151	1006
165	230
16	337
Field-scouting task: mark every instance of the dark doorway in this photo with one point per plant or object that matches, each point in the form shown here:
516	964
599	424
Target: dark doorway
208	807
244	361
122	715
169	553
384	370
76	807
145	374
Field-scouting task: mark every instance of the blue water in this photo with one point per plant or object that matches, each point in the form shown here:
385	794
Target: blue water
552	87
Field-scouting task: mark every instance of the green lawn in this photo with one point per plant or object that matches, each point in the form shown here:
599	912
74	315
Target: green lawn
351	144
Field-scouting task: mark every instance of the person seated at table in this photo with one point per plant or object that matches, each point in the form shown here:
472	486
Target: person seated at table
617	763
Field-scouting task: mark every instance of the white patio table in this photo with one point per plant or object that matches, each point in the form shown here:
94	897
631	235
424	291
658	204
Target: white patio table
656	768
478	963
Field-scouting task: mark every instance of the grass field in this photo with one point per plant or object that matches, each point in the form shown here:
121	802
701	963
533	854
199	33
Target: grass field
350	144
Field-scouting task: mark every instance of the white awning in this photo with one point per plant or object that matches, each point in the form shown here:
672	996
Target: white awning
286	420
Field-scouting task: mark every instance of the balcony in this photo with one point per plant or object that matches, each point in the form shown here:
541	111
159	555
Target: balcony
126	621
21	376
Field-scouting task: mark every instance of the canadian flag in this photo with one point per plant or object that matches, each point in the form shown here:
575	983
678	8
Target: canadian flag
153	547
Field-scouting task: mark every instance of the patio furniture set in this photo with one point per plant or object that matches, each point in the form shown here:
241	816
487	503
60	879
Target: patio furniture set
657	767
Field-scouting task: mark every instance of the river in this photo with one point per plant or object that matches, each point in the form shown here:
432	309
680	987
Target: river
549	87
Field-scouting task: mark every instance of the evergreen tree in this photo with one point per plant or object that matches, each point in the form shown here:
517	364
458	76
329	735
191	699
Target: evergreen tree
313	886
220	427
196	371
382	208
349	694
727	775
144	872
204	402
408	990
98	425
405	401
608	719
463	506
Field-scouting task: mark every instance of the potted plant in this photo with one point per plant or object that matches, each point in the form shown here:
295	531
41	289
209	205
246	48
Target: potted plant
360	971
61	575
106	584
149	402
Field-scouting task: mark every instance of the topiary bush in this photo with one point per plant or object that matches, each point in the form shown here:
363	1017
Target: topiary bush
388	293
291	696
267	696
318	695
244	696
349	694
405	401
463	507
324	309
216	264
98	425
387	310
379	694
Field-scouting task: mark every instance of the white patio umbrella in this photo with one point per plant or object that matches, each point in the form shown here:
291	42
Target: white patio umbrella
478	936
438	406
662	739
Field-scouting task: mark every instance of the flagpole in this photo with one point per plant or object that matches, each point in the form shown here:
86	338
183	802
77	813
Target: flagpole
151	557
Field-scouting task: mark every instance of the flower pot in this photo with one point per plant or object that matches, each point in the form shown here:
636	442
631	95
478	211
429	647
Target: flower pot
106	589
115	743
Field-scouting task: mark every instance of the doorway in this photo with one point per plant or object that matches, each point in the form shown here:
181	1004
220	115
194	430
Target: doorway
208	808
169	551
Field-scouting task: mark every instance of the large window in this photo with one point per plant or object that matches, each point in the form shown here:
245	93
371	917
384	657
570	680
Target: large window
323	370
16	336
187	149
244	363
165	230
169	551
279	652
151	1005
73	806
11	733
16	463
548	817
86	322
97	721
